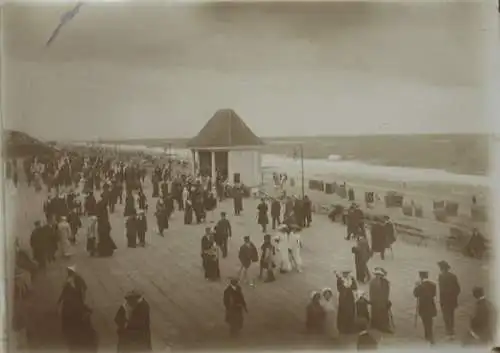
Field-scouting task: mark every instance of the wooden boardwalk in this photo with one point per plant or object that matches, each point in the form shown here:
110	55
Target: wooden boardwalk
187	311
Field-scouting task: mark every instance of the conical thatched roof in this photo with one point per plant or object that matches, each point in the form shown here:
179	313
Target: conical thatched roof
225	129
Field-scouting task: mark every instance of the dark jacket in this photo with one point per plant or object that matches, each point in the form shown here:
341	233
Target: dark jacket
449	289
248	254
134	334
234	299
425	293
483	321
223	229
275	208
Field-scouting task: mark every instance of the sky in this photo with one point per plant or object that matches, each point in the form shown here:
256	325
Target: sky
288	69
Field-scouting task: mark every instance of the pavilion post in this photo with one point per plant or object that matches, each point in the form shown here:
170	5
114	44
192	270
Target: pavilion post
212	154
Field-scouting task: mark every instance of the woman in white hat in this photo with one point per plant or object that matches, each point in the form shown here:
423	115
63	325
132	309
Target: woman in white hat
379	291
281	245
346	286
294	244
329	305
315	315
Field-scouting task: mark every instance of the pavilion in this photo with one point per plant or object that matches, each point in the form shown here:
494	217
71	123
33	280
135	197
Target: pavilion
227	146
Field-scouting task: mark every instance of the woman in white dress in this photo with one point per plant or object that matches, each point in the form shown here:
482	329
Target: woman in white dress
282	252
328	303
64	230
294	245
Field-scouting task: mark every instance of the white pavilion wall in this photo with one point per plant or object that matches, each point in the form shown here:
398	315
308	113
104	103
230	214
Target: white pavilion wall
248	164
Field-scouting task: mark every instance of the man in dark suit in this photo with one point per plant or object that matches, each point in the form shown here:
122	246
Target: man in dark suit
235	305
449	289
482	322
425	292
223	233
275	213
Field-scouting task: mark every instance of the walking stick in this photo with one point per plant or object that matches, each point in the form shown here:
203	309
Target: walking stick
391	320
416	314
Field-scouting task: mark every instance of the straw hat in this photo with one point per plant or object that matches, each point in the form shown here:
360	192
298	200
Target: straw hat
72	268
314	293
327	290
282	227
379	271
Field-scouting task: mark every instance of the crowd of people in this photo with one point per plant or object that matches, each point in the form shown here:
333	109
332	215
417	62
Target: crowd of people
73	181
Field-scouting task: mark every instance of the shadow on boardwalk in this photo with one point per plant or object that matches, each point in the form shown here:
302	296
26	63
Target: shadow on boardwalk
187	312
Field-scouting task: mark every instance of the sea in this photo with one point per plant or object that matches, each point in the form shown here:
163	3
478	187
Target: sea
334	165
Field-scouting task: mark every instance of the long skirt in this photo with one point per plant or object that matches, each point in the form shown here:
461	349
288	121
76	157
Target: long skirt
346	314
106	245
134	341
156	190
234	318
380	316
331	324
212	270
162	222
188	216
91	248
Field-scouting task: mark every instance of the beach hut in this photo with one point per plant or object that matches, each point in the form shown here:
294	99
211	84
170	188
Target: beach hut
226	145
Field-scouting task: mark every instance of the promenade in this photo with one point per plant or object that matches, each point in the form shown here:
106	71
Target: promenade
187	311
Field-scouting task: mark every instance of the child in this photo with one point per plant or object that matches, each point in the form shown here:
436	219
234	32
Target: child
365	339
362	312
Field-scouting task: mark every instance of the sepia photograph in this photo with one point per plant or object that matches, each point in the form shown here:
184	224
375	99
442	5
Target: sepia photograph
239	176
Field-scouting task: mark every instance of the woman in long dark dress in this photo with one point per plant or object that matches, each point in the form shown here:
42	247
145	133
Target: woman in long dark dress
129	205
315	315
346	286
212	264
188	212
90	205
106	245
132	319
262	217
131	231
156	185
73	309
161	216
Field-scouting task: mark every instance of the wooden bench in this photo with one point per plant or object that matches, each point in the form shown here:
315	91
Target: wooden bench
416	233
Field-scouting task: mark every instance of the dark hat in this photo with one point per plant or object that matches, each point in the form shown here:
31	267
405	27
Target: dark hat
444	265
478	292
423	273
